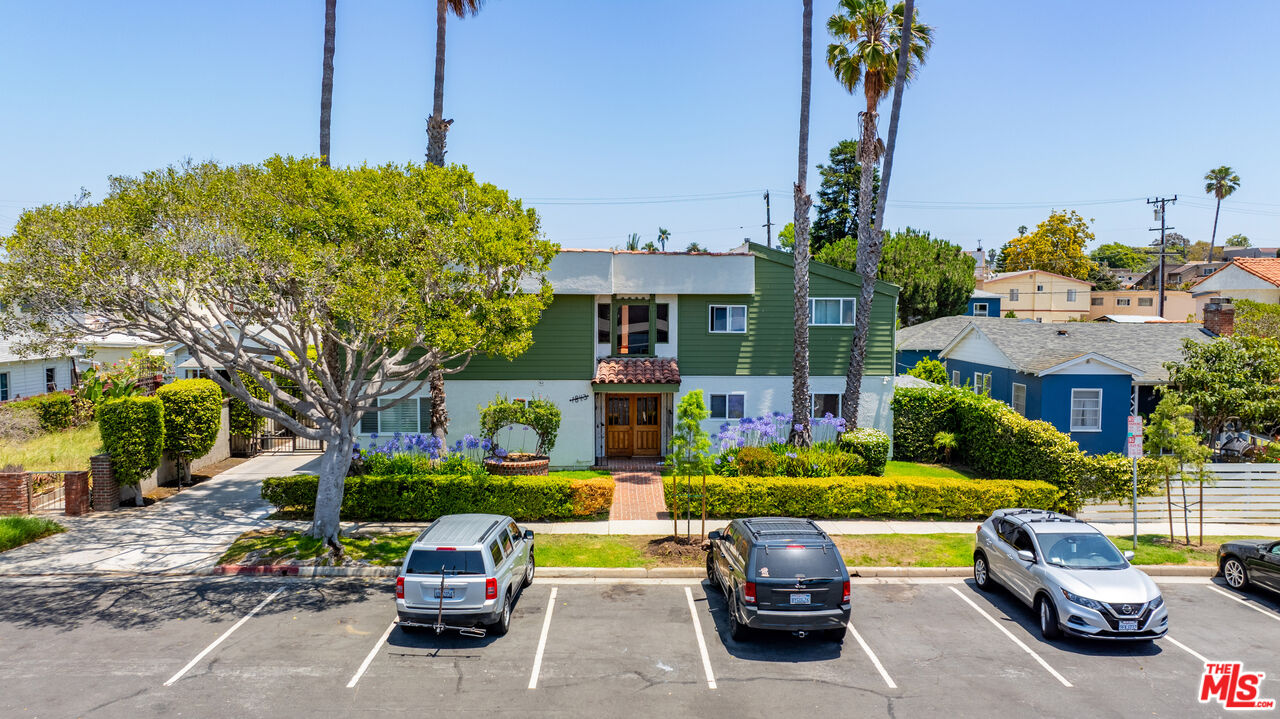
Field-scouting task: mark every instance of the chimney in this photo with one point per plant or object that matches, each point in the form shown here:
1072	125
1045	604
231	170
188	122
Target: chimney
1220	316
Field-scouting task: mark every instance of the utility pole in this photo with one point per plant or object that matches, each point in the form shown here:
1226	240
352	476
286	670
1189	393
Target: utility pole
1160	203
768	221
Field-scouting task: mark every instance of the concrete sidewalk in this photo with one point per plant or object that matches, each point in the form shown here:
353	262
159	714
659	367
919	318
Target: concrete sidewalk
183	534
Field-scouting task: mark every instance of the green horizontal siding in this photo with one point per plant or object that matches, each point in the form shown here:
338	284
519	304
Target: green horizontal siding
562	346
767	346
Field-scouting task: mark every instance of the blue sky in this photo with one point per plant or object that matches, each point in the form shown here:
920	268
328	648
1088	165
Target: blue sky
1022	107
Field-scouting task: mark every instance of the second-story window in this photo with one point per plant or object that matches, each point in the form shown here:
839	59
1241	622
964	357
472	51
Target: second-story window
831	312
1071	295
633	330
602	323
1013	295
661	322
728	318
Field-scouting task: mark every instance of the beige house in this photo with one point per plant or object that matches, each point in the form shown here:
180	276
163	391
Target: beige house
1250	278
1041	296
1179	306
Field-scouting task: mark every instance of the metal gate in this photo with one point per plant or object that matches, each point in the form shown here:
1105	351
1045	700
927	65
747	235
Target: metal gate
275	438
46	492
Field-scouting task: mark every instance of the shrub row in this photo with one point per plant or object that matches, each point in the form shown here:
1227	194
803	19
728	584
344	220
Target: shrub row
845	497
132	430
788	461
53	410
412	498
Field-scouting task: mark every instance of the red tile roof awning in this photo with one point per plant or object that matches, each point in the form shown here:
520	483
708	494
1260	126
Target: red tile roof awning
637	370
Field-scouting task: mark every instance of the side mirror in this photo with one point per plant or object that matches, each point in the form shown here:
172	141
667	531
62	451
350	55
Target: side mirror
713	535
1128	554
528	534
1026	556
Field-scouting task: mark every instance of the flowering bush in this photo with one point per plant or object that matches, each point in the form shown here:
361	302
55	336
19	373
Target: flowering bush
420	454
756	447
773	429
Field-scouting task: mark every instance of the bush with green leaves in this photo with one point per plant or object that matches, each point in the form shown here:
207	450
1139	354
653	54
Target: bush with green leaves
417	498
865	496
192	417
132	430
945	443
871	444
1109	478
540	415
929	370
243	421
919	414
53	411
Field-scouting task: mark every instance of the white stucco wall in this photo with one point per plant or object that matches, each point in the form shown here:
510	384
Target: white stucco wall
26	377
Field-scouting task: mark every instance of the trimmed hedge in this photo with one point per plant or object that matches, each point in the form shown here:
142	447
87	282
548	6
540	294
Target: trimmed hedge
847	497
192	417
919	414
412	498
53	411
132	430
872	445
243	421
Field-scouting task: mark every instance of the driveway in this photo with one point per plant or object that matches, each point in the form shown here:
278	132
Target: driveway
180	535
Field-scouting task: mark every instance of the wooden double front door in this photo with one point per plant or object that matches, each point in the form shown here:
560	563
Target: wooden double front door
633	425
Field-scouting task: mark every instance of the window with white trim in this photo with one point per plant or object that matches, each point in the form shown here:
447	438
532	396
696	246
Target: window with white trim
955	377
1013	295
412	416
1086	410
728	318
728	406
1019	395
824	404
982	382
831	312
1122	302
1071	295
979	309
51	379
4	386
1144	301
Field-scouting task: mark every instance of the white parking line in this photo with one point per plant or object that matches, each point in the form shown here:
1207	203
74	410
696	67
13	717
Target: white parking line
1250	605
702	643
222	638
542	640
1012	638
1187	649
872	655
364	665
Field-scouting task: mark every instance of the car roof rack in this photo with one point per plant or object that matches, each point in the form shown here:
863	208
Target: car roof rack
782	526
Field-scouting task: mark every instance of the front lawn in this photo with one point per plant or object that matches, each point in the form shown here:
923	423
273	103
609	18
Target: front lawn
913	469
68	450
17	531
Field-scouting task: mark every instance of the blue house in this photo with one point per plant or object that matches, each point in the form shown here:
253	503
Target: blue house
928	338
1085	378
984	304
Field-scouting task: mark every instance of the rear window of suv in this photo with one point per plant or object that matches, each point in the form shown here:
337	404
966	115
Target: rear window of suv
434	561
793	562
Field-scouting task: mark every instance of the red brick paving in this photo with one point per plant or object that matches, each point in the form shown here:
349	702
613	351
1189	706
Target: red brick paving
637	489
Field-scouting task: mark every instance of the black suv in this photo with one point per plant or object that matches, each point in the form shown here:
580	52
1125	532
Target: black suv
781	574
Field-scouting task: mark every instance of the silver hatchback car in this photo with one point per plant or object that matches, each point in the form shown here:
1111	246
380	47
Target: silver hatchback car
1078	582
463	572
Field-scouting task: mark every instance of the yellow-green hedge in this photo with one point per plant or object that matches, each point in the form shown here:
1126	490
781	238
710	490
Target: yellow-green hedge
852	497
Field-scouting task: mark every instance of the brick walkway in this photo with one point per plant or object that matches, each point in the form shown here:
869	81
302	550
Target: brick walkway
637	489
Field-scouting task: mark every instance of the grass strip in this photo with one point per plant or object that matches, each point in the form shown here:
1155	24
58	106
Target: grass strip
17	531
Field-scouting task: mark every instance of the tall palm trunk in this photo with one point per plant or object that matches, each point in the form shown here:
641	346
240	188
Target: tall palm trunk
439	413
437	126
899	82
800	434
870	247
326	78
1214	237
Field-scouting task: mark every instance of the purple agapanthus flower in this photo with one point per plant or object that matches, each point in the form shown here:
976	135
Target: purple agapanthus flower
798	427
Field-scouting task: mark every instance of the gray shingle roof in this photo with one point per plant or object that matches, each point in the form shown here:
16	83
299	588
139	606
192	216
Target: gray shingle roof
936	334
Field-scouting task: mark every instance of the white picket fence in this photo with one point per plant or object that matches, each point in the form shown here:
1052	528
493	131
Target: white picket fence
1243	493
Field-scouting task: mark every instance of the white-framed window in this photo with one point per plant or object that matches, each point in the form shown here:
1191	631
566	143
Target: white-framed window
982	382
1122	302
1013	295
1086	410
728	406
728	318
1071	295
4	386
1020	398
1144	301
955	377
824	404
831	311
979	309
409	417
51	379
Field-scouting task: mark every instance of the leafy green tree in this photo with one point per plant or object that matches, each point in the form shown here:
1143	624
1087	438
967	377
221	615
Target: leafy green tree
650	247
694	247
1228	378
1119	256
837	202
935	276
1056	245
1173	447
1220	182
1238	240
330	288
192	418
690	444
787	237
633	242
799	434
930	370
1257	319
437	126
1102	280
1011	315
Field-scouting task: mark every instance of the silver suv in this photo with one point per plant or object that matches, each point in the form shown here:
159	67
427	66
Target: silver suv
463	571
1070	573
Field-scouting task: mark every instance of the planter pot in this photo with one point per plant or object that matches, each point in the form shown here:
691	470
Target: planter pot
512	467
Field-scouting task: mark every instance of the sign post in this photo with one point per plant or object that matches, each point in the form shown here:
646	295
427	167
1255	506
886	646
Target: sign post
1134	446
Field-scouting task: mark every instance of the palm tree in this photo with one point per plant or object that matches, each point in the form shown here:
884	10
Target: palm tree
663	235
899	82
869	36
326	78
633	242
1220	183
800	434
437	126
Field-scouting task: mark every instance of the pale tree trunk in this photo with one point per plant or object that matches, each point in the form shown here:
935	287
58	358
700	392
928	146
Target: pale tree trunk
439	412
326	79
899	82
334	463
437	126
1213	237
870	247
800	397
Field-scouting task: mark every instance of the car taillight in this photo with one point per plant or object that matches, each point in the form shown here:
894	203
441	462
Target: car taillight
978	530
399	587
795	546
749	592
491	588
446	549
845	596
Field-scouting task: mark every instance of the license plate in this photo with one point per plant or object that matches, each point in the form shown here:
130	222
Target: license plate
1129	626
448	593
799	598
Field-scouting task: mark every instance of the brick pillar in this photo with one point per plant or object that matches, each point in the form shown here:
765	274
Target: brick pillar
1220	317
75	492
106	493
14	495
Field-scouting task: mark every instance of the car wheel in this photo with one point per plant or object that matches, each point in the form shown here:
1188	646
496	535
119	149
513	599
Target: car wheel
737	630
711	571
1234	572
528	571
1049	628
982	572
500	627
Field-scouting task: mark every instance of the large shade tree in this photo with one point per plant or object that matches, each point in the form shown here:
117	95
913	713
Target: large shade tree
837	202
800	398
333	290
1219	182
872	40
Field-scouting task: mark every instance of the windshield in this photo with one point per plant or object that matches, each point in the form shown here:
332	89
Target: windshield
1081	551
432	561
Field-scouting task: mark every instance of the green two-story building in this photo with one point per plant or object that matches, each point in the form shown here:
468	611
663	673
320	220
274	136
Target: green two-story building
628	333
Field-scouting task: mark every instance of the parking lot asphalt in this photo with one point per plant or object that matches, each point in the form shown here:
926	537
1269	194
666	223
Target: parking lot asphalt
275	647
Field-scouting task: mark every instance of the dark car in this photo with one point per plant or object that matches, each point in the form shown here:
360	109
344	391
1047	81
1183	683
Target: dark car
1251	561
780	574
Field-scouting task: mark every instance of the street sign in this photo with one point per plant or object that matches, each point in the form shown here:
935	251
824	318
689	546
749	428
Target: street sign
1135	447
1135	426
